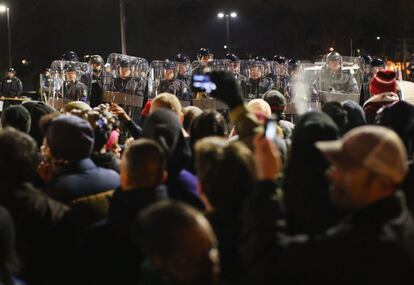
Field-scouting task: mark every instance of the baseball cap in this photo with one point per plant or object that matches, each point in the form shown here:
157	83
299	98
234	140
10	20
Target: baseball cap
376	148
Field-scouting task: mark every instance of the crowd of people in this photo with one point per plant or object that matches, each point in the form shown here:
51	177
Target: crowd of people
184	196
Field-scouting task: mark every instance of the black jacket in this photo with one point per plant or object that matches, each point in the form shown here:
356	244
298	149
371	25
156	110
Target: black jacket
375	244
11	87
109	255
79	179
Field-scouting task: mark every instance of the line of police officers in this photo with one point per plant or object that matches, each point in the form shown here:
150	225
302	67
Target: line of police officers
258	78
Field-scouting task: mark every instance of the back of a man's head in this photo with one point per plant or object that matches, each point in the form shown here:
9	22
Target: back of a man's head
168	101
18	157
143	165
17	117
209	123
69	138
226	172
178	240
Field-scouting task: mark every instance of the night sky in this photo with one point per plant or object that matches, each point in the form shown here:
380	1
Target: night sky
42	30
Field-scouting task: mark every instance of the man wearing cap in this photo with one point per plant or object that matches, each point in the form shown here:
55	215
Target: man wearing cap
73	89
68	144
11	86
383	89
374	243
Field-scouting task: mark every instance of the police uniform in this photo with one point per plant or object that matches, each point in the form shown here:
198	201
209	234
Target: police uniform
11	87
75	91
176	87
255	88
339	81
132	86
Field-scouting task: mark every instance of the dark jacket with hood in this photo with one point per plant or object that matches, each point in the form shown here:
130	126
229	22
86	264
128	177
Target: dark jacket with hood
400	118
305	186
164	127
373	245
108	243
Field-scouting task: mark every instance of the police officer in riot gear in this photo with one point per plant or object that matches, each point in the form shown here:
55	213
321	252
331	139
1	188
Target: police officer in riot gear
127	84
334	79
257	84
47	84
183	62
367	76
73	89
97	64
294	74
280	76
234	66
377	64
171	84
204	55
11	86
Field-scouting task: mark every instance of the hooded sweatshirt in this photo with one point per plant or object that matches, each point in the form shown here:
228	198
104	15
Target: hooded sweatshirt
305	186
163	126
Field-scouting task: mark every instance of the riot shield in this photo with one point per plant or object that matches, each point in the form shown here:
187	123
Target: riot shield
279	75
164	77
129	81
340	83
47	85
299	92
70	81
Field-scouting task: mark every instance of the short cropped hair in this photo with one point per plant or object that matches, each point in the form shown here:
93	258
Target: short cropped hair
145	162
156	228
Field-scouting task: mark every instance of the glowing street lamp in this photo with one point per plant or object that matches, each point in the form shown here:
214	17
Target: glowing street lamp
5	9
222	15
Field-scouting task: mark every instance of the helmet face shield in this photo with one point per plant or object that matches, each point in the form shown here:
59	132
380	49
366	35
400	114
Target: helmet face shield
334	65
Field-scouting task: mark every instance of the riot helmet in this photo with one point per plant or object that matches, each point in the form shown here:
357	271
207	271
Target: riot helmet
367	59
334	61
124	68
377	64
279	59
96	61
204	55
169	69
234	64
70	73
182	58
70	56
232	57
255	69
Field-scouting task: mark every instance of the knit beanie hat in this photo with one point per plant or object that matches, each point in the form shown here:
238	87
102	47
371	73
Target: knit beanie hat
384	81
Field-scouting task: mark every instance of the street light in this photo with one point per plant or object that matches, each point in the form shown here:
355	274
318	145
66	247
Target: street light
222	15
378	38
122	25
5	9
